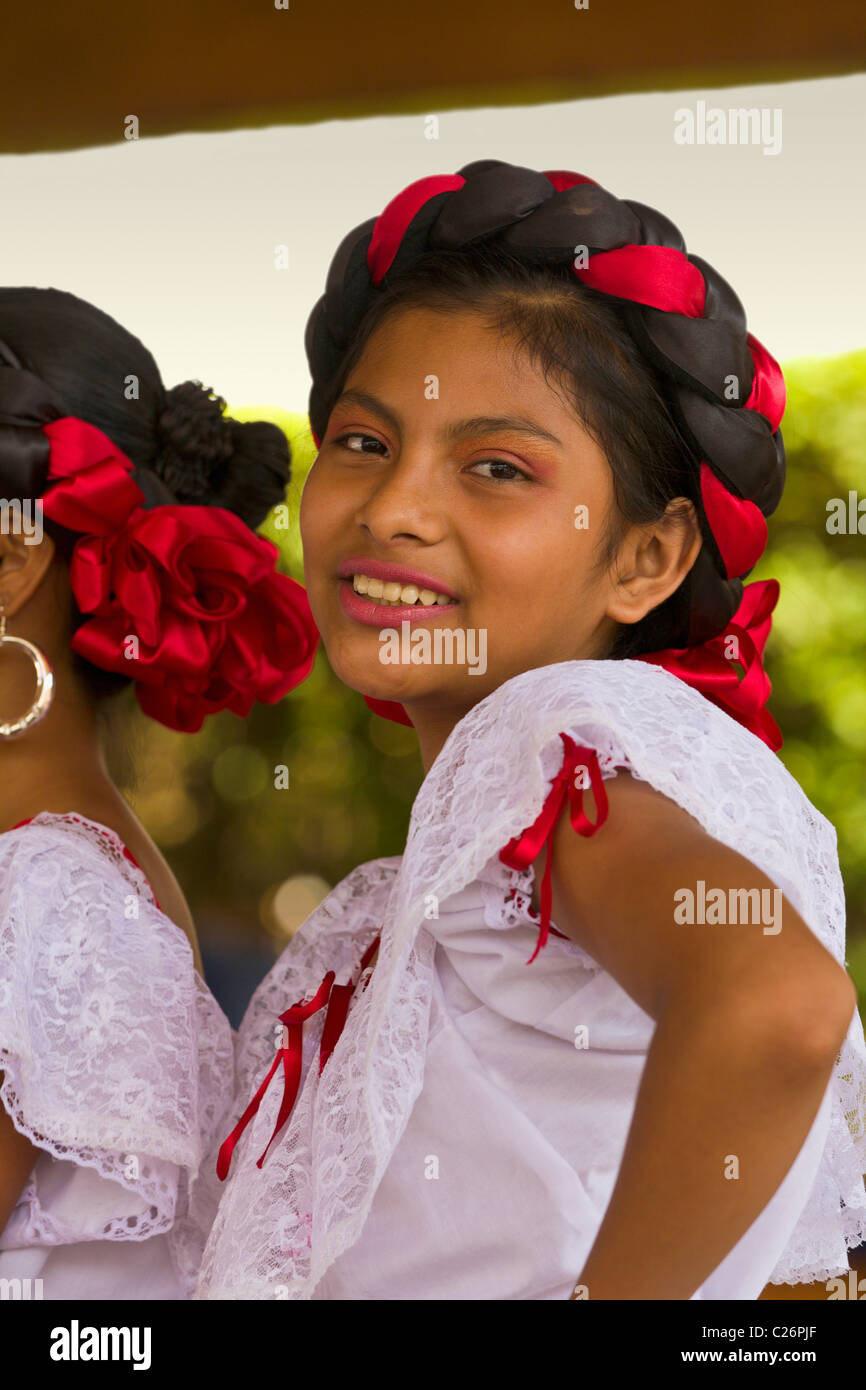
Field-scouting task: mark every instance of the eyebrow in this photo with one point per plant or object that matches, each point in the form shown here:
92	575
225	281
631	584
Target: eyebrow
461	429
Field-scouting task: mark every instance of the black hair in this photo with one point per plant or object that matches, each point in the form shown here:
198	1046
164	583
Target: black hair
580	340
103	374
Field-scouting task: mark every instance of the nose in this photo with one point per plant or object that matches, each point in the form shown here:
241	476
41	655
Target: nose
405	501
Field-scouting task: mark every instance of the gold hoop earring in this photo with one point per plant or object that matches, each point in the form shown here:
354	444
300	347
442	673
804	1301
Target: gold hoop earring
44	683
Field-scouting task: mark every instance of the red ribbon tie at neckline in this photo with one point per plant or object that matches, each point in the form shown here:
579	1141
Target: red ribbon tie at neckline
338	1007
291	1052
524	849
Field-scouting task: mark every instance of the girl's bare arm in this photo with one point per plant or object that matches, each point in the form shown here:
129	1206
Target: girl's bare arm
748	1025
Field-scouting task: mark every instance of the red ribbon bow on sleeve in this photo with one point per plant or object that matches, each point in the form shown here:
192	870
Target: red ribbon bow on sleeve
579	767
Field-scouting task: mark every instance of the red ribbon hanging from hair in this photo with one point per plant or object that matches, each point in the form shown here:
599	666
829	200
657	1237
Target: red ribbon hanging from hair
567	786
711	667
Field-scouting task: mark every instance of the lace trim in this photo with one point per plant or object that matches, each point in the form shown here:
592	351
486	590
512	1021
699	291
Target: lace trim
506	896
116	1056
107	839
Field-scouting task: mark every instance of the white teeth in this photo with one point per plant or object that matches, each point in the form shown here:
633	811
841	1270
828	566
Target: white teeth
391	593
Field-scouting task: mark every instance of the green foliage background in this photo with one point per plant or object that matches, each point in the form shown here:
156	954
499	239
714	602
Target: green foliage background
209	799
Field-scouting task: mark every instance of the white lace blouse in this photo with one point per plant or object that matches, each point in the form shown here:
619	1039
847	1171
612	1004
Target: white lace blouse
117	1065
457	1143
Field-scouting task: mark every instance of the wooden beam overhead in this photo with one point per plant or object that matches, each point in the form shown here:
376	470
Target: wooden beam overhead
70	79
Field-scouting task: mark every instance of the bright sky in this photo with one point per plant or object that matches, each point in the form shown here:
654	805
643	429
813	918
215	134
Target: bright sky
175	236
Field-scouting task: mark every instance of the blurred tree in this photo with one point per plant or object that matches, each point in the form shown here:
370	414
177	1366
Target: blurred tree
816	655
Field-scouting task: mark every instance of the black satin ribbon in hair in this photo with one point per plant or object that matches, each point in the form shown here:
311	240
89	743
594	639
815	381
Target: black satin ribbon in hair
156	492
26	404
25	399
7	357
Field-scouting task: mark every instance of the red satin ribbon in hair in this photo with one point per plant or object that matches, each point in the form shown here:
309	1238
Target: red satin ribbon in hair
768	386
522	851
659	276
291	1052
563	179
711	669
738	526
91	488
393	221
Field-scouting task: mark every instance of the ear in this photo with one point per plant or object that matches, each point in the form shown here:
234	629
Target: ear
653	561
25	559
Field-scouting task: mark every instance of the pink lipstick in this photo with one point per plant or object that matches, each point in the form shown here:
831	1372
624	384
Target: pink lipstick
367	611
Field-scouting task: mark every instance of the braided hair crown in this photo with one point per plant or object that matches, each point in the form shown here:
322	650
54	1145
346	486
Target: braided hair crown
726	393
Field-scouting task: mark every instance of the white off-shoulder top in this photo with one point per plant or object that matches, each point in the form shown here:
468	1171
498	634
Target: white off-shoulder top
456	1143
117	1064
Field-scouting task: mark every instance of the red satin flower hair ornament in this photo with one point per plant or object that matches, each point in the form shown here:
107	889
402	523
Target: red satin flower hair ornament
184	600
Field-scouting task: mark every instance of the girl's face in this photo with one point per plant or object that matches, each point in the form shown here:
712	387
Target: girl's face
450	461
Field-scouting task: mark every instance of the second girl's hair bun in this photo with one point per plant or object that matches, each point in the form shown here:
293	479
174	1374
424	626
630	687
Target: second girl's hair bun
194	443
210	459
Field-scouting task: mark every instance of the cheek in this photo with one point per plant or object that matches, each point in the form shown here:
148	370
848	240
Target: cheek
309	512
539	597
547	559
319	517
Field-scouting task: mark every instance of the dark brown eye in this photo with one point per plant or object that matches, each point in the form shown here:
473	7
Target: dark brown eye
506	477
356	434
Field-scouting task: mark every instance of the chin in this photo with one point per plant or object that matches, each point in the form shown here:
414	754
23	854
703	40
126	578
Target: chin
357	665
366	674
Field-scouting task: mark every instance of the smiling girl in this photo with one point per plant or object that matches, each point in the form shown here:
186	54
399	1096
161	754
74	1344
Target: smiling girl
540	420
